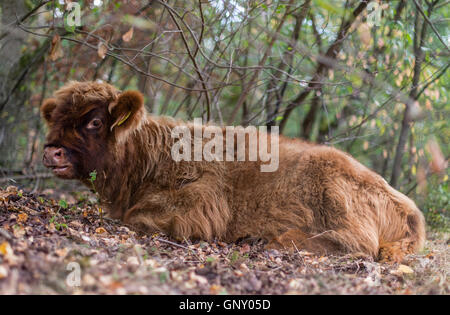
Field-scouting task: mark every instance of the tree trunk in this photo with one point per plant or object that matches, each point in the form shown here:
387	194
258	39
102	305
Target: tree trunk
419	38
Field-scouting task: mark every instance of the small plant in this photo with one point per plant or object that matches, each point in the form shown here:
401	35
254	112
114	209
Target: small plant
57	225
60	226
93	177
234	256
63	204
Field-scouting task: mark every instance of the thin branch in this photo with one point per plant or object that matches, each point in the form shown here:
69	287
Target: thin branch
25	177
202	29
433	80
108	53
431	24
247	88
194	62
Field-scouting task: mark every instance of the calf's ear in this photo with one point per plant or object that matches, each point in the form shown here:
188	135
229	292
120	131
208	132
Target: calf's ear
127	112
47	108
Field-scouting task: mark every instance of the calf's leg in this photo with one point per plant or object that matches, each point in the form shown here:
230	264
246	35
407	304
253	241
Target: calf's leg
197	210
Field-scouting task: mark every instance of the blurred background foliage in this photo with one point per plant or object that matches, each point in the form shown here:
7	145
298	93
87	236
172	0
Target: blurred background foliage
368	77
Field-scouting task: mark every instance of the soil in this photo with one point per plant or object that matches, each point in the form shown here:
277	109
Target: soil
51	247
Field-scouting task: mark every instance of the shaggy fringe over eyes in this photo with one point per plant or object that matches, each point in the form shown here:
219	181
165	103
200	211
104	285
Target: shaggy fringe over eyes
79	93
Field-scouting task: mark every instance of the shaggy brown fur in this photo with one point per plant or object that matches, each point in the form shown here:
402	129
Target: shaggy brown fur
320	199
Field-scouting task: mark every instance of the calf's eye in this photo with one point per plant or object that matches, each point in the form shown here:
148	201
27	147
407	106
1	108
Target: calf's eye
94	124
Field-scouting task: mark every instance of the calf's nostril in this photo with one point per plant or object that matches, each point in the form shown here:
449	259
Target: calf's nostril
53	155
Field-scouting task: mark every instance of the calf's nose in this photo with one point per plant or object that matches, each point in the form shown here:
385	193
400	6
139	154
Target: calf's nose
53	156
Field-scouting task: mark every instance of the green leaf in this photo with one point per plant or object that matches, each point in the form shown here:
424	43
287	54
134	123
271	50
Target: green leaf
63	204
93	176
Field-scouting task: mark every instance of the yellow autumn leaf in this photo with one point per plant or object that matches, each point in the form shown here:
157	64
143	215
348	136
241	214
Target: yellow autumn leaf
5	249
22	217
100	230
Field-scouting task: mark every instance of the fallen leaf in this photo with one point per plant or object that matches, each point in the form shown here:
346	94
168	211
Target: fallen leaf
243	267
199	279
245	249
76	224
430	255
216	289
3	272
5	249
51	227
7	252
89	280
22	217
402	270
11	189
62	252
100	230
133	261
405	269
18	231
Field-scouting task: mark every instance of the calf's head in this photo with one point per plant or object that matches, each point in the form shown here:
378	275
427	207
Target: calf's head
86	121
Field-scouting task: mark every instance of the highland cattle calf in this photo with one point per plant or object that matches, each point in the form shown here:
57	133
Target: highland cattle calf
318	199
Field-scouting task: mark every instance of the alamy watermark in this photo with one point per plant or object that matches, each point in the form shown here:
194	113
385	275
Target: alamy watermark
73	279
374	13
212	143
72	16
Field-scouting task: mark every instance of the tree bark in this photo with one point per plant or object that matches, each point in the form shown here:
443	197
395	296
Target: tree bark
420	28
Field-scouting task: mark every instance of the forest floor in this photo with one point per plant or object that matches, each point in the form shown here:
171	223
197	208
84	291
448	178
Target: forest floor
50	247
